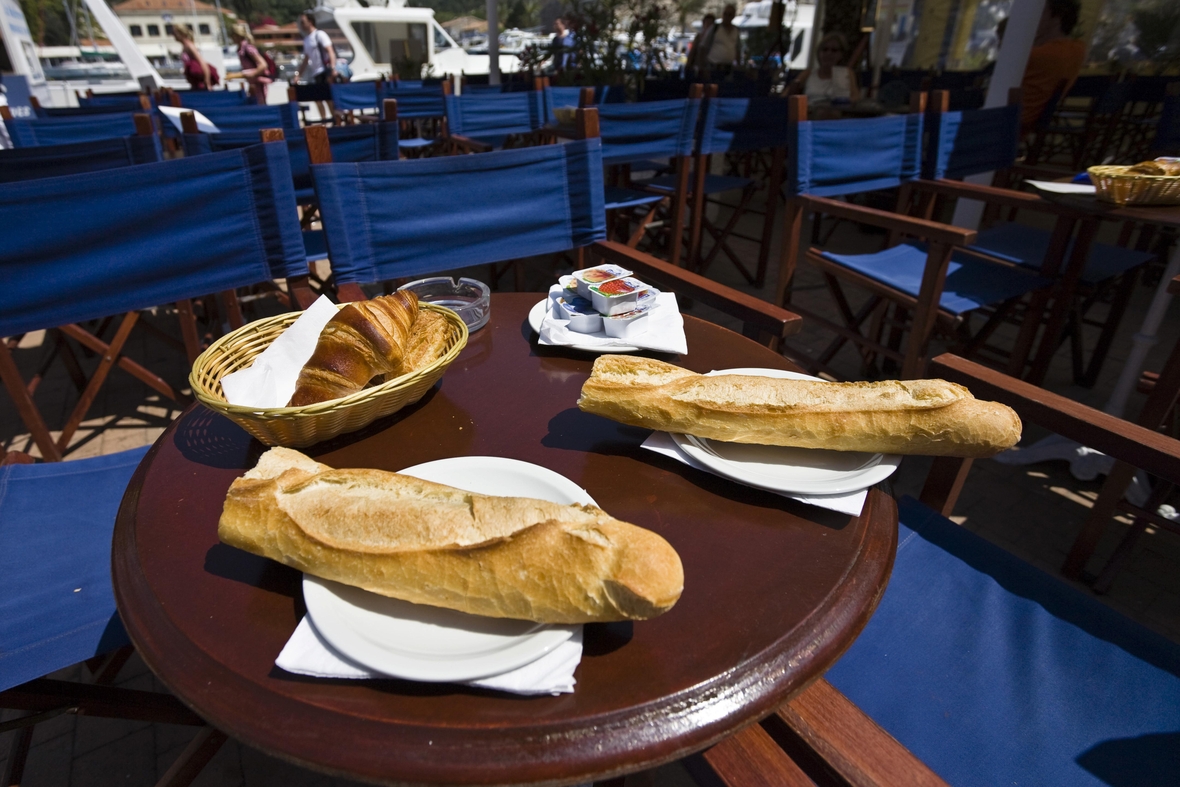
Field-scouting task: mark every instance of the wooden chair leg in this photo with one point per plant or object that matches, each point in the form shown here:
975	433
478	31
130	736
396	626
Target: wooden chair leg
111	353
28	412
188	329
193	759
751	757
933	277
1098	520
18	756
945	482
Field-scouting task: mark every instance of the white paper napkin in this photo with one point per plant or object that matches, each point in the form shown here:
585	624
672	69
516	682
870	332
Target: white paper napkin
270	381
850	503
204	124
307	653
665	329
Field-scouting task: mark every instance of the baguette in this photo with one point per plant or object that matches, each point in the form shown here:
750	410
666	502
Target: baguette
364	340
504	557
932	417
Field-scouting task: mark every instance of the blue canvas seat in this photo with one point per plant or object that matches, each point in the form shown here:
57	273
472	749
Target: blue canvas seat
46	161
31	132
842	157
986	140
57	607
138	237
993	672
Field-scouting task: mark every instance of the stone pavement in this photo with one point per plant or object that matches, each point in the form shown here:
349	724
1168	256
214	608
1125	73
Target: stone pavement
1034	511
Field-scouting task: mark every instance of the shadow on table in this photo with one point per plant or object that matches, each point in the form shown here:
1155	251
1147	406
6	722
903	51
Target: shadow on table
574	430
238	565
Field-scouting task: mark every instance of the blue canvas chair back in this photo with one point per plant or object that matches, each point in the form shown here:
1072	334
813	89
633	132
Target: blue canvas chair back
564	97
89	110
994	672
58	607
430	215
416	102
492	116
142	236
128	101
253	118
647	130
29	132
204	99
362	142
828	158
49	161
471	89
354	96
739	125
970	142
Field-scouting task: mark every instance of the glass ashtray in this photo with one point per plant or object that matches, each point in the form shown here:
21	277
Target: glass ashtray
470	299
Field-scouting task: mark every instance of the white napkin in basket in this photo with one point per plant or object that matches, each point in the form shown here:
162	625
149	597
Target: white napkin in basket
850	503
665	329
270	381
307	653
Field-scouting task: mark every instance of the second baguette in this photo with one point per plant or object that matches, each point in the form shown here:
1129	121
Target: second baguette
931	417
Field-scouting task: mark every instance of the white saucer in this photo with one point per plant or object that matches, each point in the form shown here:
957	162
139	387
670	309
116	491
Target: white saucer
537	315
432	644
807	471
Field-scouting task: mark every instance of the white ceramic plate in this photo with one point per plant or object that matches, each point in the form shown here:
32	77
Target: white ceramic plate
807	471
424	643
537	314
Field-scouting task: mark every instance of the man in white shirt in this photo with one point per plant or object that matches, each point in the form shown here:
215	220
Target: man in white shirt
319	56
725	44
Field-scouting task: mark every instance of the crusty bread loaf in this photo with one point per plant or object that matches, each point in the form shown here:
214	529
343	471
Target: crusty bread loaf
506	557
364	340
897	417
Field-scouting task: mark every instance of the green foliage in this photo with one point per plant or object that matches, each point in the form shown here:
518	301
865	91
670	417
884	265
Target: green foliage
1159	32
614	42
48	23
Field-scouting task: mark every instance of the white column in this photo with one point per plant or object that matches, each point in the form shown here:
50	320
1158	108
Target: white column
494	42
1009	73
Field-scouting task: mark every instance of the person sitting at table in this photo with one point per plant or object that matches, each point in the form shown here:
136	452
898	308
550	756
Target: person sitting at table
255	68
827	80
199	74
1056	58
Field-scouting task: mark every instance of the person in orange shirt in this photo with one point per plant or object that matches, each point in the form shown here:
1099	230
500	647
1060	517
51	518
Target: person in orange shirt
1055	60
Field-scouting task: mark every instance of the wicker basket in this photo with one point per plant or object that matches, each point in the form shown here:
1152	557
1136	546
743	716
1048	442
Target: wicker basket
1114	184
302	426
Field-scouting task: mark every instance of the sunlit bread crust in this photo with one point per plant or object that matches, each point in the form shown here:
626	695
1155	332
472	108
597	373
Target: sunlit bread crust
432	544
932	417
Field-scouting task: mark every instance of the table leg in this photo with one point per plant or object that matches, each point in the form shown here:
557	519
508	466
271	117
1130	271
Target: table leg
1144	340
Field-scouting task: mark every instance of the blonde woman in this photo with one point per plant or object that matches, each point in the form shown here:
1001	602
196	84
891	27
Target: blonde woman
828	81
256	68
200	75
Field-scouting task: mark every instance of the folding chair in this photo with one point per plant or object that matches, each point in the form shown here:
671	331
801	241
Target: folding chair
420	111
749	128
633	135
57	607
47	161
986	140
129	102
924	277
357	97
477	122
441	214
993	672
31	132
248	117
556	97
137	237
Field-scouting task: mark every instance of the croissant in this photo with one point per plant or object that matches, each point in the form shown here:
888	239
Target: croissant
362	341
1157	167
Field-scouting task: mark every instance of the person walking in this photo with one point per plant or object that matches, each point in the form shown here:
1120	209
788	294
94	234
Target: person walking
319	58
256	69
700	45
198	73
724	45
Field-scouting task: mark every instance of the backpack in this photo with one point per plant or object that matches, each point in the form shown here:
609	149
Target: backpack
272	70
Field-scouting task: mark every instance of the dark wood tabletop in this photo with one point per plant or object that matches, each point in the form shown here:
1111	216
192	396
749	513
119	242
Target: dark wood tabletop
774	590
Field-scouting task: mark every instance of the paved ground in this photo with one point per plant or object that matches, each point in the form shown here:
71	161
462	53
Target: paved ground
1034	512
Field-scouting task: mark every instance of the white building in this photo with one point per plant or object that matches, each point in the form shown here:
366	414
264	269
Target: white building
150	24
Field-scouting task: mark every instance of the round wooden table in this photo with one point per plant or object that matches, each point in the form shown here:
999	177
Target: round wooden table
774	590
